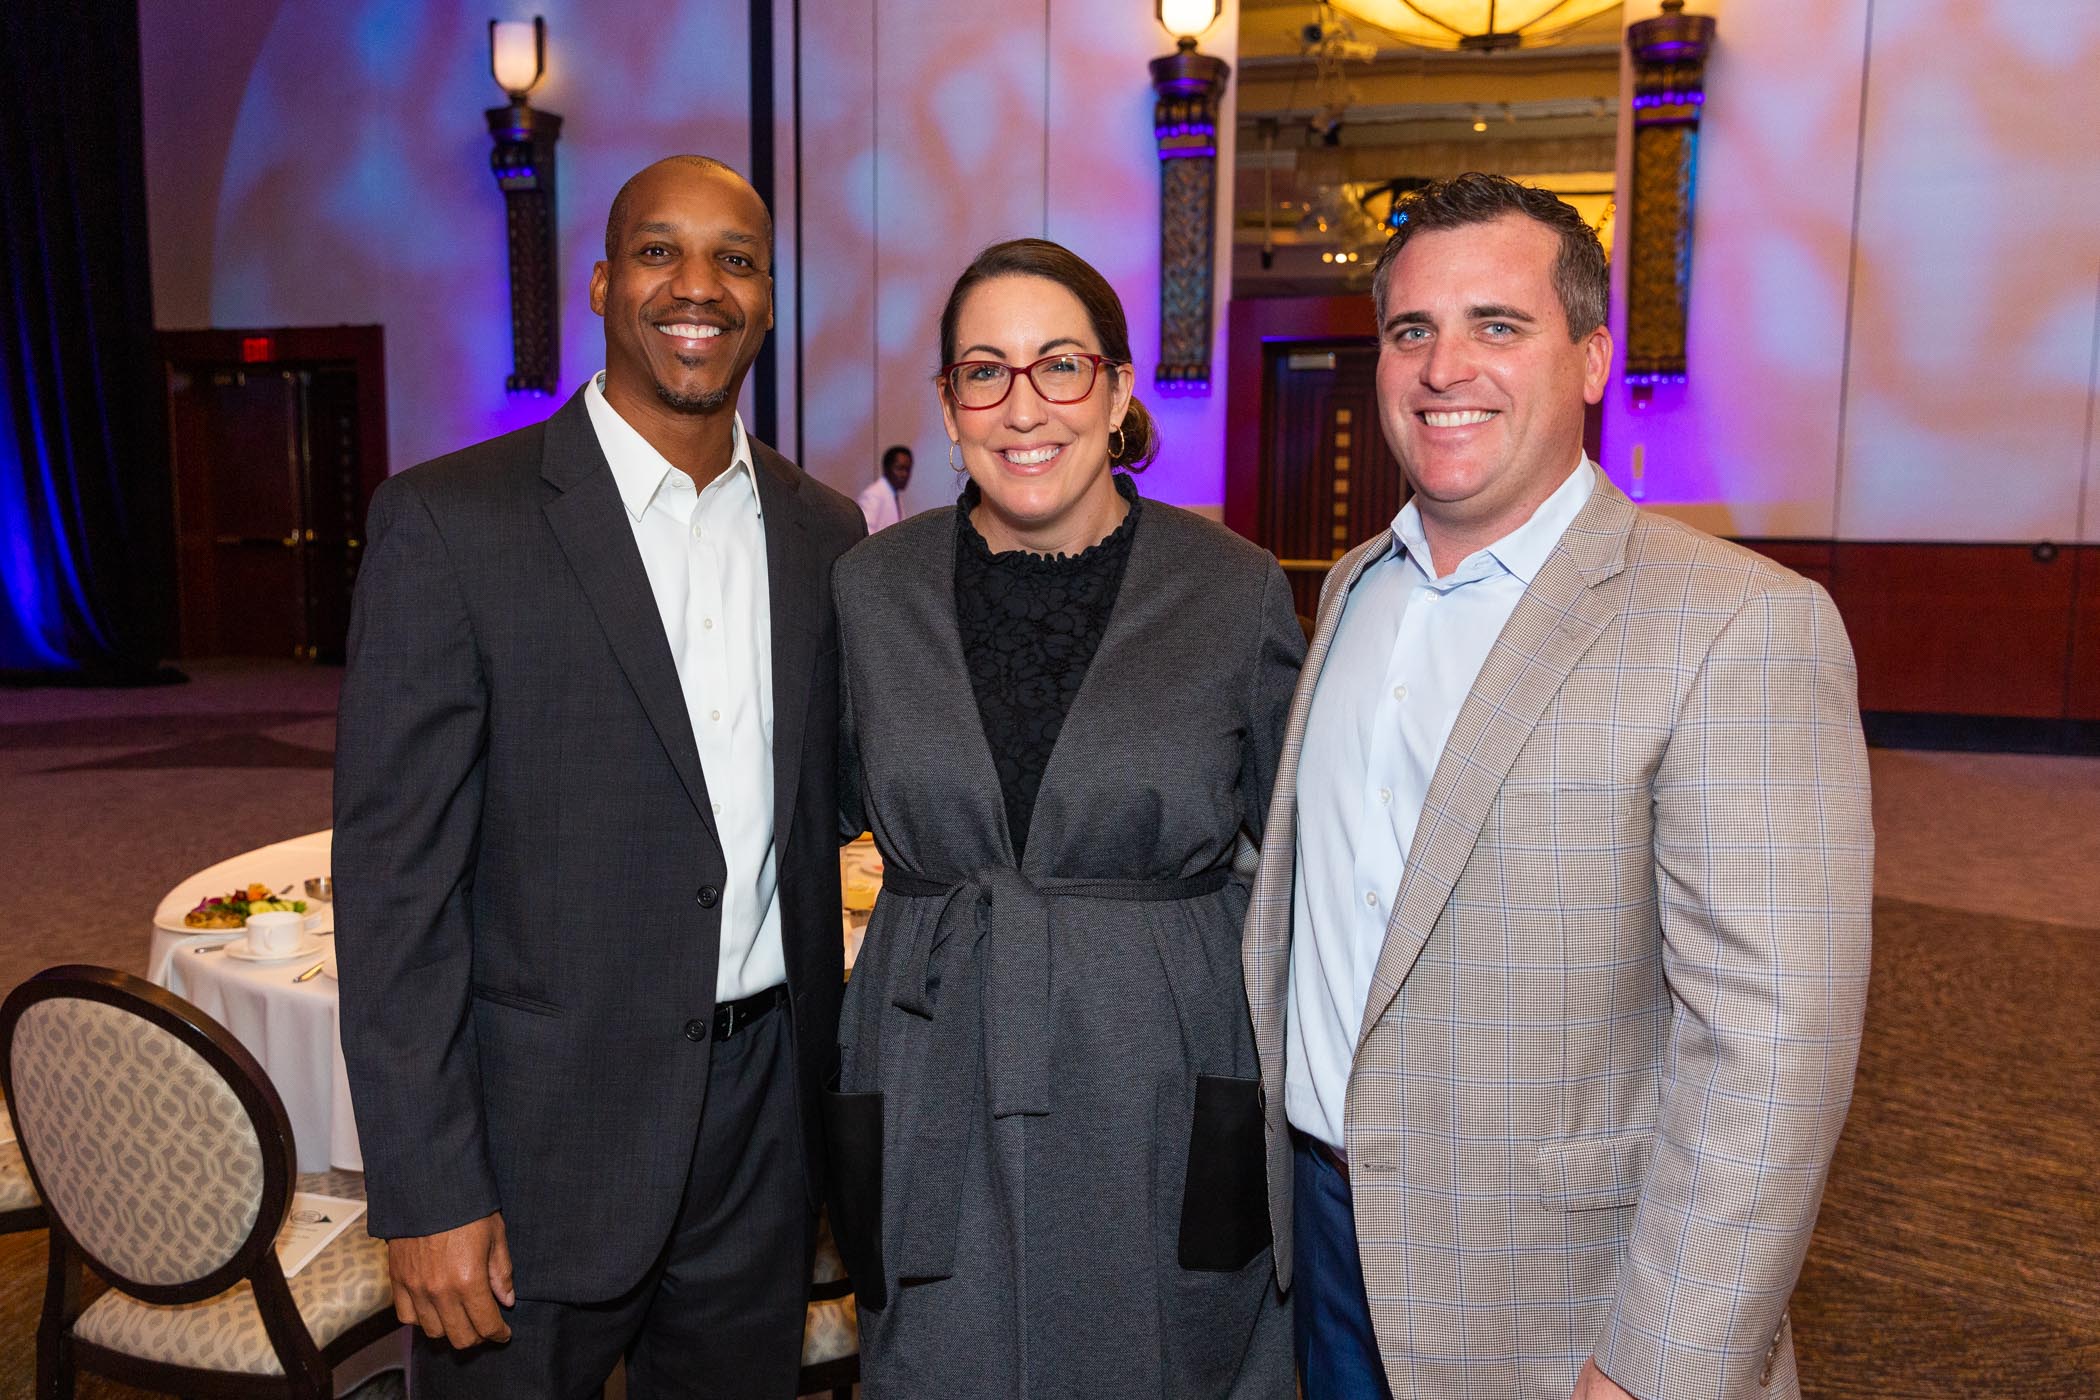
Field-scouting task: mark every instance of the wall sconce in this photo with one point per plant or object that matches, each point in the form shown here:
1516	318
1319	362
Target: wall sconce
1669	76
1185	123
524	164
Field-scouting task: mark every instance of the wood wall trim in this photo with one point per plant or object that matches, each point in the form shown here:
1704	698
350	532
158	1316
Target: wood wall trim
2000	630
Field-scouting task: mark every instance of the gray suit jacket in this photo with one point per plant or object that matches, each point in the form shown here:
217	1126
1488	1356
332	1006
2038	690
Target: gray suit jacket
526	860
1611	1033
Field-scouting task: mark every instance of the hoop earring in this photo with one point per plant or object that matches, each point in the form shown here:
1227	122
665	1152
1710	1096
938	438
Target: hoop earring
953	465
1115	448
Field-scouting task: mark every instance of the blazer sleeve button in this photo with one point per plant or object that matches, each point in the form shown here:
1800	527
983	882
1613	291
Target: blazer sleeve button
696	1030
708	895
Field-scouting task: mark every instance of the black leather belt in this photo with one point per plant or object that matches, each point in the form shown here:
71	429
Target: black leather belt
733	1016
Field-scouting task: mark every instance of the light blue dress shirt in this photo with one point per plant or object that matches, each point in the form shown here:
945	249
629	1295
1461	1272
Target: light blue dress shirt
1404	658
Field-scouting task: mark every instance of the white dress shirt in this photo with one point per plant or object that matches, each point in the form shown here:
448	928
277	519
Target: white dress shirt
1404	658
879	505
705	554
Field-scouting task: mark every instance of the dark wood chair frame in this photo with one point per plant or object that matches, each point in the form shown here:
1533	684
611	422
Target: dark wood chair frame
837	1376
308	1369
13	1222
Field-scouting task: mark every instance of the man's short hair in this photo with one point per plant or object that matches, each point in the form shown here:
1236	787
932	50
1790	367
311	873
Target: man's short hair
1580	274
616	217
892	453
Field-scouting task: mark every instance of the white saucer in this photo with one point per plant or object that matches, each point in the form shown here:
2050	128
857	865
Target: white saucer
307	947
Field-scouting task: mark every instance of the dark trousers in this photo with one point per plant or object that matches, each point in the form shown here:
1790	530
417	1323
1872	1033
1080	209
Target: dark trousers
719	1316
1337	1351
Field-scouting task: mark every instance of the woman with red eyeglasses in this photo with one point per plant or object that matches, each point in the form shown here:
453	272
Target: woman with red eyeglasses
1062	706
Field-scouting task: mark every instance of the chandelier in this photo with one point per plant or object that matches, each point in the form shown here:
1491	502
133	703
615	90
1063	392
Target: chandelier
1479	26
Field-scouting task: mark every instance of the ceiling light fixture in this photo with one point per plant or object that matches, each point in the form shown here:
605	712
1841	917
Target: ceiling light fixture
1476	26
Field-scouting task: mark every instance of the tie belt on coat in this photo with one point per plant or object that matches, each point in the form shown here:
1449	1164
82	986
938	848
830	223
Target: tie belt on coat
998	920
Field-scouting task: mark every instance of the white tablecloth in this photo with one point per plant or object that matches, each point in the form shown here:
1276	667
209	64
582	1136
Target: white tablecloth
293	1029
290	1028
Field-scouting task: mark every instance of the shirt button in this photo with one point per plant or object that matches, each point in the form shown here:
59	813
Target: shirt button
696	532
718	809
1385	795
714	714
707	896
1371	898
707	624
696	1030
1399	692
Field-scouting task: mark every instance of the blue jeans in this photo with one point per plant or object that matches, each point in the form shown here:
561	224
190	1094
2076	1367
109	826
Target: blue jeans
1337	1351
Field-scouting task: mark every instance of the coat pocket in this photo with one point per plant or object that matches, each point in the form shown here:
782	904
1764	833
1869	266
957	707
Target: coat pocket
1225	1198
853	1146
1594	1173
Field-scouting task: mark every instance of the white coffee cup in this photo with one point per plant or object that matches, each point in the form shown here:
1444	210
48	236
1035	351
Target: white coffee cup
275	934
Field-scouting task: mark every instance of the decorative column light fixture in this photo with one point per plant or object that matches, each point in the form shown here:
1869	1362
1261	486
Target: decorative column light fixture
1476	26
1185	123
1669	75
524	164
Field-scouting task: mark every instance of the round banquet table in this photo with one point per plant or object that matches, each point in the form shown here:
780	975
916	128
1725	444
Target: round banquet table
292	1028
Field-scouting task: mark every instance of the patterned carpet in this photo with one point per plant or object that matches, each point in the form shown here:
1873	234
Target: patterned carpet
1957	1245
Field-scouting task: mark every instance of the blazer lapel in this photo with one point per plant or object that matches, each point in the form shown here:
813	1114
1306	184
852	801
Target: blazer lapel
590	523
793	596
1554	624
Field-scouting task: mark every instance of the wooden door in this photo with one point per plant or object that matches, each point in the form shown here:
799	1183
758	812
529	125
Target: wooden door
238	512
1328	481
331	536
276	448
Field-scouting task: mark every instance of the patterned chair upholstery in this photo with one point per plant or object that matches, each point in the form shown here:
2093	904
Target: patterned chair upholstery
20	1206
166	1163
342	1286
831	1333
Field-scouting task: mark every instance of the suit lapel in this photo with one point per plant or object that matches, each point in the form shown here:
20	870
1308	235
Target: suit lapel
592	527
792	584
1553	626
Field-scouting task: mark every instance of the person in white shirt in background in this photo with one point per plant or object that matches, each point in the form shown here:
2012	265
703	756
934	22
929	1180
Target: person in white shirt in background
882	503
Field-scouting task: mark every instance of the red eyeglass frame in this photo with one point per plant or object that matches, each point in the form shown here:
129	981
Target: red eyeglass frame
1015	372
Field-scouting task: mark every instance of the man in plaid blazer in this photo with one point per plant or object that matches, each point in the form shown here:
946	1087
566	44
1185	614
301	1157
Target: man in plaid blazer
1558	948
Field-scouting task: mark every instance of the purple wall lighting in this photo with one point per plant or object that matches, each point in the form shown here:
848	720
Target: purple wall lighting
1184	123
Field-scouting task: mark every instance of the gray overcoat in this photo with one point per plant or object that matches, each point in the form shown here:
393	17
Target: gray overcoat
1047	1140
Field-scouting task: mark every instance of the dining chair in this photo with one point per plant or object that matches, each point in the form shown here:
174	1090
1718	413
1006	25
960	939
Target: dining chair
20	1207
166	1165
831	1332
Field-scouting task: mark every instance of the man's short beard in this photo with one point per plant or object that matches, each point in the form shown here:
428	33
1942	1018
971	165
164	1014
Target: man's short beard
708	402
691	404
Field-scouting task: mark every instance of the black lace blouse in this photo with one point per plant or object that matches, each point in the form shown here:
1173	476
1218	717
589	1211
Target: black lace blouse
1030	626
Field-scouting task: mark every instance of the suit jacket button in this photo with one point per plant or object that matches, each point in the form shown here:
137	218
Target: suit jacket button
696	1030
707	896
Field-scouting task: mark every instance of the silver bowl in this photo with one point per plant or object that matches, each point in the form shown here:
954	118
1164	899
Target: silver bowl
321	887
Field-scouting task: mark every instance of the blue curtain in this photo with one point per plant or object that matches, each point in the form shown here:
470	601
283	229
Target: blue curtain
86	578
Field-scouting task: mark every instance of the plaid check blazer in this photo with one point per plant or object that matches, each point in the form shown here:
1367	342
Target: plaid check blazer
1612	1030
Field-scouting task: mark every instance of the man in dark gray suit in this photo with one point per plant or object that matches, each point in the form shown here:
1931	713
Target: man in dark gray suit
587	878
